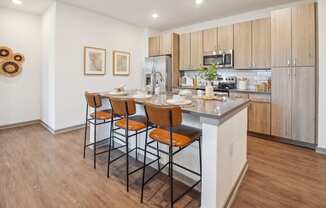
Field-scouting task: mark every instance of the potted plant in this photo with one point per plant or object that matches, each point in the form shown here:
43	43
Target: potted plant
210	74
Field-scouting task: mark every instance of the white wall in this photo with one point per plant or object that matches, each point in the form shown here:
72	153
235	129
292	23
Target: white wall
48	66
20	96
322	75
76	28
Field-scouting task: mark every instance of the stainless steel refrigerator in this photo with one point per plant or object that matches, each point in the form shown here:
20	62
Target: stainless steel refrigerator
158	73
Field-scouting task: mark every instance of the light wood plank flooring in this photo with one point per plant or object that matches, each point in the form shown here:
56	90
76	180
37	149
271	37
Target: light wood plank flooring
40	170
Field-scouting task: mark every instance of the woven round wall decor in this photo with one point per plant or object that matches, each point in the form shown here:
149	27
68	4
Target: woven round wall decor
5	53
10	68
10	63
19	58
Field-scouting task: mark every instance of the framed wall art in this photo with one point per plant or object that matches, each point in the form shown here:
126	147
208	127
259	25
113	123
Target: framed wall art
94	61
121	63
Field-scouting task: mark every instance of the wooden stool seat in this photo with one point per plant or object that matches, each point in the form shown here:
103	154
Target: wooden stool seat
135	123
181	136
102	115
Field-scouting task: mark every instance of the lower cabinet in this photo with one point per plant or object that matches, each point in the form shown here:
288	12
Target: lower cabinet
259	117
259	111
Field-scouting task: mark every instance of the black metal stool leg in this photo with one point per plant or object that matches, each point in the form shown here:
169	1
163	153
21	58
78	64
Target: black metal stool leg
127	159
110	141
85	137
158	156
136	145
171	173
95	144
144	168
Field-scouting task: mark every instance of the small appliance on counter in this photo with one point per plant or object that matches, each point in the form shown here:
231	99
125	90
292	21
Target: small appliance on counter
242	83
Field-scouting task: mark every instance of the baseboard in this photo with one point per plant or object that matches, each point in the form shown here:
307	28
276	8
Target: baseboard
283	140
20	124
47	127
321	150
235	189
72	128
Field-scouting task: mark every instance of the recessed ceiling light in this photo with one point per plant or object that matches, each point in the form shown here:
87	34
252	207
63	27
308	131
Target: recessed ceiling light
155	15
18	2
198	2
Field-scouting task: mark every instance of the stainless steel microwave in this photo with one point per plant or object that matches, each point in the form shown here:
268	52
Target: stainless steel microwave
213	58
223	58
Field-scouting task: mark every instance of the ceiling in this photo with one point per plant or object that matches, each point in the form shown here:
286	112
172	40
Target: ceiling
172	13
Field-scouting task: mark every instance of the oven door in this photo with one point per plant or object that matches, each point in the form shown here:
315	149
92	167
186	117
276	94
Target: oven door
217	59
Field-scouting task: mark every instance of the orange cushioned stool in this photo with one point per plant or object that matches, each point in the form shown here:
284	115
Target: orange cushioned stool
170	131
96	118
126	109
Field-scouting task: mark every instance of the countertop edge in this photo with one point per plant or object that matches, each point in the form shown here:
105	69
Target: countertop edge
218	120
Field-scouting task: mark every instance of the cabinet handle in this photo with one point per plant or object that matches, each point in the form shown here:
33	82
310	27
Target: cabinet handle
289	62
294	62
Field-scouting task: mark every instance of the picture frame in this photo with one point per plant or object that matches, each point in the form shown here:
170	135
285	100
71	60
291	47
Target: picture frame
121	63
94	61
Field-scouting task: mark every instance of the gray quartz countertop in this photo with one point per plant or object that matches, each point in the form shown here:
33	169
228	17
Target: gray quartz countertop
202	108
231	90
251	91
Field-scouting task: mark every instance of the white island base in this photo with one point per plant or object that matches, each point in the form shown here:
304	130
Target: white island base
224	154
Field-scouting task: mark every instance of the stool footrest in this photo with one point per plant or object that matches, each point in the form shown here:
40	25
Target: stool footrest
187	169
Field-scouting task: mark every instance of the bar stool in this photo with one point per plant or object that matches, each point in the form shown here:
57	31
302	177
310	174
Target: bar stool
126	108
172	133
94	101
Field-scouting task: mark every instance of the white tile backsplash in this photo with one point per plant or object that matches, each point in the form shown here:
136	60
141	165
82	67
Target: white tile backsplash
253	76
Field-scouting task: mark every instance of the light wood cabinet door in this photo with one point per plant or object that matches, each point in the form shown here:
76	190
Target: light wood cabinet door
184	51
242	45
261	43
259	117
210	40
225	37
281	103
281	38
303	35
303	105
196	48
154	46
166	44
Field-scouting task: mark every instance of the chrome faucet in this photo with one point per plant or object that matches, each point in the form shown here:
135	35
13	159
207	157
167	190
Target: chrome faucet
157	79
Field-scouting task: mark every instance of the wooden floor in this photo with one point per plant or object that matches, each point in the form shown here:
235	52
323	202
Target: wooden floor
40	170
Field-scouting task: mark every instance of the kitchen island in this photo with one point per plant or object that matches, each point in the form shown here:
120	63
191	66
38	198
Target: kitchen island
224	145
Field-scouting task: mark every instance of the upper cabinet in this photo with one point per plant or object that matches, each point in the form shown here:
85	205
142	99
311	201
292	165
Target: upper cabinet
242	45
293	36
225	37
196	48
210	40
165	44
161	45
184	49
261	43
303	35
281	37
154	46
